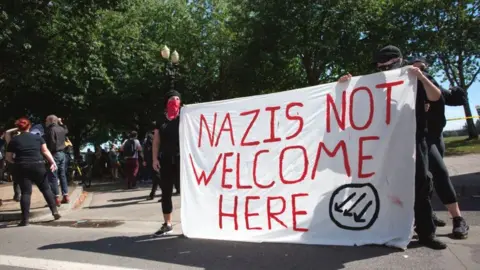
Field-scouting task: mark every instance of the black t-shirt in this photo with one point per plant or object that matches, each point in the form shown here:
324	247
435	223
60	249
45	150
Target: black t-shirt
169	136
420	114
26	147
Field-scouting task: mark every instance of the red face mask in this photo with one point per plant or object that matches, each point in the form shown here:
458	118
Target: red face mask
173	108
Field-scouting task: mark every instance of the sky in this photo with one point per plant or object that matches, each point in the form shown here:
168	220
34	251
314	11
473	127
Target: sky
457	111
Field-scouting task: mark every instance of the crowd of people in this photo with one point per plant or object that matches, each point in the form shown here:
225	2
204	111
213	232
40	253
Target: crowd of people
32	157
158	157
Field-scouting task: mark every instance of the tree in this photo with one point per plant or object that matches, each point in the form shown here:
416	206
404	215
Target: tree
454	28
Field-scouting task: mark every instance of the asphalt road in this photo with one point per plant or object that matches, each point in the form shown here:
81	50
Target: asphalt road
119	238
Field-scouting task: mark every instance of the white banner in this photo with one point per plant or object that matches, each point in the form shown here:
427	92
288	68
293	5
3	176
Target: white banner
331	164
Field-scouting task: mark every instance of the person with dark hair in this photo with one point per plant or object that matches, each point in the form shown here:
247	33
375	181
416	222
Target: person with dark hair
29	166
436	122
389	58
131	149
55	137
166	156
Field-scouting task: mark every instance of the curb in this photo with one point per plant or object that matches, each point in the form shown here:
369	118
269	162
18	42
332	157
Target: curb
14	215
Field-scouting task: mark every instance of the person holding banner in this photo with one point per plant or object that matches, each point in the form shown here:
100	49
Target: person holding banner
166	156
436	122
389	58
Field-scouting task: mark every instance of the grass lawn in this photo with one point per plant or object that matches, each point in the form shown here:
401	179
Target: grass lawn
457	146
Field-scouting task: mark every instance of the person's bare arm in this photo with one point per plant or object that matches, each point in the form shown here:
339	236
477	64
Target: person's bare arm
155	148
431	90
46	153
9	157
140	150
8	134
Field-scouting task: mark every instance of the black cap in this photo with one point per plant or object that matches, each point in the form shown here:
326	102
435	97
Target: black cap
169	94
418	60
387	53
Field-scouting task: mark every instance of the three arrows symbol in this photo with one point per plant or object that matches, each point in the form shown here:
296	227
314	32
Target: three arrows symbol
357	217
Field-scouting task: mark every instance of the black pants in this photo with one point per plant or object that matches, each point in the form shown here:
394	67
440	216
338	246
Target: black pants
169	177
25	174
155	183
436	165
425	227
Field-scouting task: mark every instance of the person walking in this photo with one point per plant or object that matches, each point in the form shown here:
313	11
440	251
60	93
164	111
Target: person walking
29	166
113	160
131	149
55	137
166	156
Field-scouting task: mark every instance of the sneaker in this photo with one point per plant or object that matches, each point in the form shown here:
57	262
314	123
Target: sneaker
23	223
460	228
149	198
432	243
438	222
16	198
65	199
56	216
164	230
176	193
57	201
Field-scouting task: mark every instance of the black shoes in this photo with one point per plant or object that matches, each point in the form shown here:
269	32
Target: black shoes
56	216
432	243
23	223
438	222
460	228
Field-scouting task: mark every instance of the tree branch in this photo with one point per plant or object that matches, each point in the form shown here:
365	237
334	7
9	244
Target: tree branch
473	79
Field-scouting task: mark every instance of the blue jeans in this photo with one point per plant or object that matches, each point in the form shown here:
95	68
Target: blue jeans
60	173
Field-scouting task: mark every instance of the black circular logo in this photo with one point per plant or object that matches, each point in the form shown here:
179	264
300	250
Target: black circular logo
354	206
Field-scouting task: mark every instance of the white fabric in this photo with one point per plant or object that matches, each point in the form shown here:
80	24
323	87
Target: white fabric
332	215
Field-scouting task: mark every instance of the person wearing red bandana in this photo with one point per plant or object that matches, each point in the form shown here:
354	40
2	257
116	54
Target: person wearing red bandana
166	156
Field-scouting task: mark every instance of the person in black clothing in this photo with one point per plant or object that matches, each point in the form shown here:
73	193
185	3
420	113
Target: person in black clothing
389	58
166	155
29	166
55	137
436	122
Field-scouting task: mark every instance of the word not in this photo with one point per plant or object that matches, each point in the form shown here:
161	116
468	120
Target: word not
341	118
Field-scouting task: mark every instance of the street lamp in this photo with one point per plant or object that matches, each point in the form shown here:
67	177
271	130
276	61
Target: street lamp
171	64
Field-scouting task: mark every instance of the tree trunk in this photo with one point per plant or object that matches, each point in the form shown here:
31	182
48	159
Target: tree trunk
472	131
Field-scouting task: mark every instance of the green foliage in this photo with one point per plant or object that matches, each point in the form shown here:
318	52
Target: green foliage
98	65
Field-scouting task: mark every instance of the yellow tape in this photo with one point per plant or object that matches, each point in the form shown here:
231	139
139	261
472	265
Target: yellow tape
463	118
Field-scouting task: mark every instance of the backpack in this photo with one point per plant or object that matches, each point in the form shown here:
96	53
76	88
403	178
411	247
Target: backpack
129	149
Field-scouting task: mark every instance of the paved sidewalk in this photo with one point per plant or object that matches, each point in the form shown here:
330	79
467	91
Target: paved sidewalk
10	209
459	165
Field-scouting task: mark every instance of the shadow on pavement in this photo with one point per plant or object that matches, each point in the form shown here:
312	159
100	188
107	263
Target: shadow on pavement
211	254
122	204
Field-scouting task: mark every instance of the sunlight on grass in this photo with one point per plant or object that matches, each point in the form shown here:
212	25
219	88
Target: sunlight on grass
457	146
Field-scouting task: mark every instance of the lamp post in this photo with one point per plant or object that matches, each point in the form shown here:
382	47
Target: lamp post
171	64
